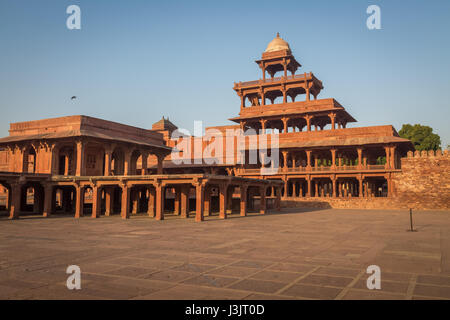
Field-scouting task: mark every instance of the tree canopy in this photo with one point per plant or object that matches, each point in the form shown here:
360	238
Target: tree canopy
422	137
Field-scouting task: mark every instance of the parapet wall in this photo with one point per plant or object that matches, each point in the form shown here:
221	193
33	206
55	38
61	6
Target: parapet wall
424	182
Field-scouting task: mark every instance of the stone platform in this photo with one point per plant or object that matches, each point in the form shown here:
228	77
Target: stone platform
295	254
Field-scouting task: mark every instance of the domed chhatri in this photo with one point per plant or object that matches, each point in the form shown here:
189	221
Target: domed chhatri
277	44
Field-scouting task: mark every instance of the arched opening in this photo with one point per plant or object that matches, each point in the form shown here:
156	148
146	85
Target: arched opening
29	160
135	163
66	161
117	162
5	196
32	198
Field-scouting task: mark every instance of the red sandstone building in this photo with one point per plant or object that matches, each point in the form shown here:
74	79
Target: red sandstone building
60	165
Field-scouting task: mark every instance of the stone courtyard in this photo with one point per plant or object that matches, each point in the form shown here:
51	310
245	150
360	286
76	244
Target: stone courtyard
296	254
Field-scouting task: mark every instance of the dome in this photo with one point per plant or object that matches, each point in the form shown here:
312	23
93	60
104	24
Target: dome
277	44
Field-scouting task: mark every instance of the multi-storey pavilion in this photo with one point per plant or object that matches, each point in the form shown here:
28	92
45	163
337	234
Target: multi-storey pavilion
320	156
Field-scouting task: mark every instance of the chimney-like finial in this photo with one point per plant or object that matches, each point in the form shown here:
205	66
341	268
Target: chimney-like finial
278	34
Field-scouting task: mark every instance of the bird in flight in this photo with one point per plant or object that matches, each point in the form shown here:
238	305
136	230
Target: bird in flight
73	98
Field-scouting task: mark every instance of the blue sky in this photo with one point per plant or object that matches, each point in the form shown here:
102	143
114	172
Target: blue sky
137	60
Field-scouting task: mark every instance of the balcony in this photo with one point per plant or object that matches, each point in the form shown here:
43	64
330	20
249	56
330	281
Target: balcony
304	170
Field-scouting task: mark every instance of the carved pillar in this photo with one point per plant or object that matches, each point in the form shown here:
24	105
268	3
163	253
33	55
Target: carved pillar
332	116
185	201
151	202
285	124
243	202
223	200
278	199
285	160
308	119
392	157
263	125
199	200
14	207
333	180
160	196
108	158
144	163
96	201
360	180
177	201
388	160
109	201
333	158
48	198
160	164
125	203
359	158
308	159
80	158
262	200
207	205
79	205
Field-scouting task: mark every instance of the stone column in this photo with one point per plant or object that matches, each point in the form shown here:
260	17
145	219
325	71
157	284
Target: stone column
278	199
109	201
176	201
286	188
360	180
96	201
229	207
308	159
185	201
199	201
333	180
48	198
359	158
333	159
223	200
308	180
80	158
263	125
108	159
125	203
285	124
388	161
308	122
316	189
207	205
294	189
127	162
144	163
79	205
160	190
14	207
243	202
151	202
285	160
262	200
332	116
160	169
392	157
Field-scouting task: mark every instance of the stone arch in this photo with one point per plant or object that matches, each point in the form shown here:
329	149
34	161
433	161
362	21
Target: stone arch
118	162
135	162
66	160
29	159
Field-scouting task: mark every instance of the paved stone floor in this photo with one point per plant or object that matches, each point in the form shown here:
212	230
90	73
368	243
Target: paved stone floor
298	254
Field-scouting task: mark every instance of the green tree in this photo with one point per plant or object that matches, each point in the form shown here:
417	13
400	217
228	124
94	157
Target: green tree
422	137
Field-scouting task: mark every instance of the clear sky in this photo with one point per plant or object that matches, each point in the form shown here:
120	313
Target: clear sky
134	61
